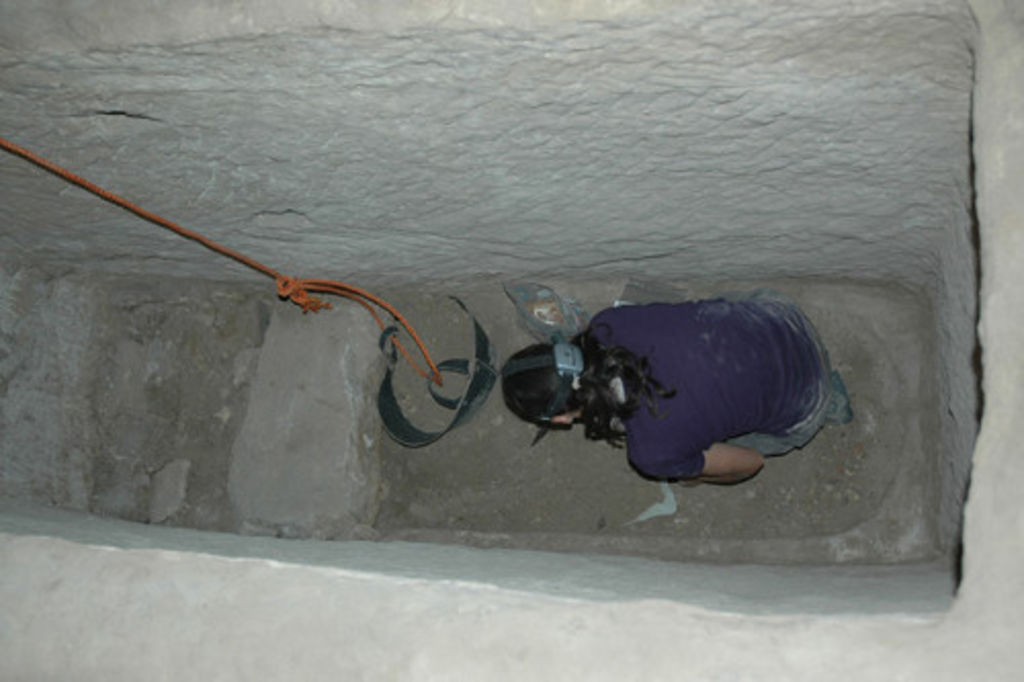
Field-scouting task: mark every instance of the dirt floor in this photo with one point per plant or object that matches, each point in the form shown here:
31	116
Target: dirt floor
856	492
156	402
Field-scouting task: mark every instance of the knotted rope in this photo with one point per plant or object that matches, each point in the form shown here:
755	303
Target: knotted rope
291	288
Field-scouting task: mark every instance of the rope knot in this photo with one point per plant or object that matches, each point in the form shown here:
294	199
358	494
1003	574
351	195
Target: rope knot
295	290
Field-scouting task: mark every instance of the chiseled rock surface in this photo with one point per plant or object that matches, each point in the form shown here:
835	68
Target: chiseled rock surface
302	464
687	137
108	379
170	484
680	140
310	178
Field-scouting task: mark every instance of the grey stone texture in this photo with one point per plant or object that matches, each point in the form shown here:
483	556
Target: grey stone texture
688	141
170	485
682	141
435	147
111	379
304	461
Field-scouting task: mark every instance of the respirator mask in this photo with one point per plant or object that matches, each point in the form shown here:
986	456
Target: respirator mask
566	358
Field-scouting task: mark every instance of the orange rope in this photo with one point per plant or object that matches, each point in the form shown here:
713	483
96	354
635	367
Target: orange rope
296	290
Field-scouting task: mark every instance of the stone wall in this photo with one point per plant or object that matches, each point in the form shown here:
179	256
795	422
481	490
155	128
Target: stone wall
684	141
116	612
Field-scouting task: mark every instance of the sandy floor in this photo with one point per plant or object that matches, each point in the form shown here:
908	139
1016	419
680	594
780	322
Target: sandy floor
160	393
856	492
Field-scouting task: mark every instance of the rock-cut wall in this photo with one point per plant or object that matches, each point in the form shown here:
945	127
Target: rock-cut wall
684	141
881	190
699	140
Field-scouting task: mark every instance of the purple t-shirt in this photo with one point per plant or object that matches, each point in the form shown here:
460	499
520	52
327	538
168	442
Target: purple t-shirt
737	367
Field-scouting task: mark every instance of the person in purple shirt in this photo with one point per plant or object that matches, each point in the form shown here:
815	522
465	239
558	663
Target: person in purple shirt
699	390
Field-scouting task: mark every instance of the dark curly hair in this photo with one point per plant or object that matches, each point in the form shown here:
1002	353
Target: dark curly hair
528	393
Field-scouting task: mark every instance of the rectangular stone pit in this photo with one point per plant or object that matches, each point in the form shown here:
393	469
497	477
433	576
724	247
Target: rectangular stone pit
871	491
179	447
